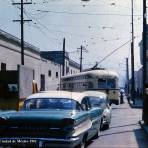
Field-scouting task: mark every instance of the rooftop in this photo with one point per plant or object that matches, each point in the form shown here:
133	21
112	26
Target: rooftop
17	41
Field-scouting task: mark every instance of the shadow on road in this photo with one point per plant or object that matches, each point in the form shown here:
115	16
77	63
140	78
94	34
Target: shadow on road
116	133
114	108
141	138
125	125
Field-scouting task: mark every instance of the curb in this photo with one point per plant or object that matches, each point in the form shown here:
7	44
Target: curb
134	105
143	126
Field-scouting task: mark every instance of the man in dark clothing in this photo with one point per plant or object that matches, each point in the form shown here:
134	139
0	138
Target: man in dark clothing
121	97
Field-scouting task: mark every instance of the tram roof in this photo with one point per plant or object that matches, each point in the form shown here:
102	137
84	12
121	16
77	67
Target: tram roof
104	73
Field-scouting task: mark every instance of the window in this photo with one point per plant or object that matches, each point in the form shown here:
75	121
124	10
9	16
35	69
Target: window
101	83
3	66
85	104
33	74
94	101
90	85
51	103
49	73
111	83
42	82
56	74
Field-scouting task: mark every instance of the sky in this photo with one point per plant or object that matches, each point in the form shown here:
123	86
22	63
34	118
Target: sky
101	26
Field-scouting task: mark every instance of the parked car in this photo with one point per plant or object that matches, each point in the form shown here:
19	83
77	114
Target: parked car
100	99
2	112
52	119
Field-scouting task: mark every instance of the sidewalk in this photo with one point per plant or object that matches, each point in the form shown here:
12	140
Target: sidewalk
144	127
138	103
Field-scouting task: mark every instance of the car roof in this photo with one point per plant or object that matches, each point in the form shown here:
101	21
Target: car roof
77	96
96	93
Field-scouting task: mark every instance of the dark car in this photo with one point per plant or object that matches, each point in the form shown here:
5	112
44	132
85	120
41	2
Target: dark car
52	119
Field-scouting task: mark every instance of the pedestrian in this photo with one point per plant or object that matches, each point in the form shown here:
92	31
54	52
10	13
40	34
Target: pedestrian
128	98
121	97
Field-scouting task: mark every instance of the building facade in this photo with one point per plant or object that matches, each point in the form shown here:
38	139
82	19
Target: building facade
70	66
46	72
139	81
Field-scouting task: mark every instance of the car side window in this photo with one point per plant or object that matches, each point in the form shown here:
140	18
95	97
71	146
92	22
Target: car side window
85	104
78	107
94	101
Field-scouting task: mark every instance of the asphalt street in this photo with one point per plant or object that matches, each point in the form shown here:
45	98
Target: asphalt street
124	131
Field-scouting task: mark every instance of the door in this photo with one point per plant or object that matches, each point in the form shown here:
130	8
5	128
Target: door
42	88
93	114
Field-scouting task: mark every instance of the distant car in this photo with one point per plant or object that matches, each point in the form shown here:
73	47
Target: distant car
100	99
52	119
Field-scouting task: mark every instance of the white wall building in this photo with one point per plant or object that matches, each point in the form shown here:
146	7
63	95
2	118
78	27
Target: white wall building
70	67
10	58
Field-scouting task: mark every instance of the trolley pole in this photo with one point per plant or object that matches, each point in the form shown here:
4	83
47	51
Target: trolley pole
127	75
81	59
145	82
83	49
63	69
132	59
22	27
22	33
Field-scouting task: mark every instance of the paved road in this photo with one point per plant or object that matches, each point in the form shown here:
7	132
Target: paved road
124	132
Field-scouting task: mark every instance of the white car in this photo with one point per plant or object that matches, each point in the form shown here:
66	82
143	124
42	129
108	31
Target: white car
101	101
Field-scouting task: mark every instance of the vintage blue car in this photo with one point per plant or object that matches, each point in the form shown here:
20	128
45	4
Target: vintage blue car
52	119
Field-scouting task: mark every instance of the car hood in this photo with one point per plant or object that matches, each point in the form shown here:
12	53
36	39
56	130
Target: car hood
42	117
2	112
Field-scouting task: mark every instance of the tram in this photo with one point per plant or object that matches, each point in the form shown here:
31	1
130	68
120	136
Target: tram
97	80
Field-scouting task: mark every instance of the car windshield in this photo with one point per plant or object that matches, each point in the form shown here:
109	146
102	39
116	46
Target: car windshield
51	103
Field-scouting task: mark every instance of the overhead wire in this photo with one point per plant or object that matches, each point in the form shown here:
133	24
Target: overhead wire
114	51
39	28
45	27
85	13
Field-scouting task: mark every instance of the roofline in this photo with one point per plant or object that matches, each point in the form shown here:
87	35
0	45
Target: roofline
108	72
9	37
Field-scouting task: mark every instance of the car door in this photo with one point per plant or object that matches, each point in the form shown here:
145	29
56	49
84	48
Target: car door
93	114
107	110
96	111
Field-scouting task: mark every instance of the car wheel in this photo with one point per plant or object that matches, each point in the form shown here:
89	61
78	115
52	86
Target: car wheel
82	144
97	134
101	124
106	126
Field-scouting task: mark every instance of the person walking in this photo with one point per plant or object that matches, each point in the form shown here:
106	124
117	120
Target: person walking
121	97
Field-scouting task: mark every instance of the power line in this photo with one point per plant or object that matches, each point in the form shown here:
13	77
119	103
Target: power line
85	13
114	51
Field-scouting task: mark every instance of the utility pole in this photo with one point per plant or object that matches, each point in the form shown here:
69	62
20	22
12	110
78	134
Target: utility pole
63	69
127	75
81	56
132	59
22	27
145	85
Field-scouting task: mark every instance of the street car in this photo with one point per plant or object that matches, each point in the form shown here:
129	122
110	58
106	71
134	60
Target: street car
100	99
52	119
